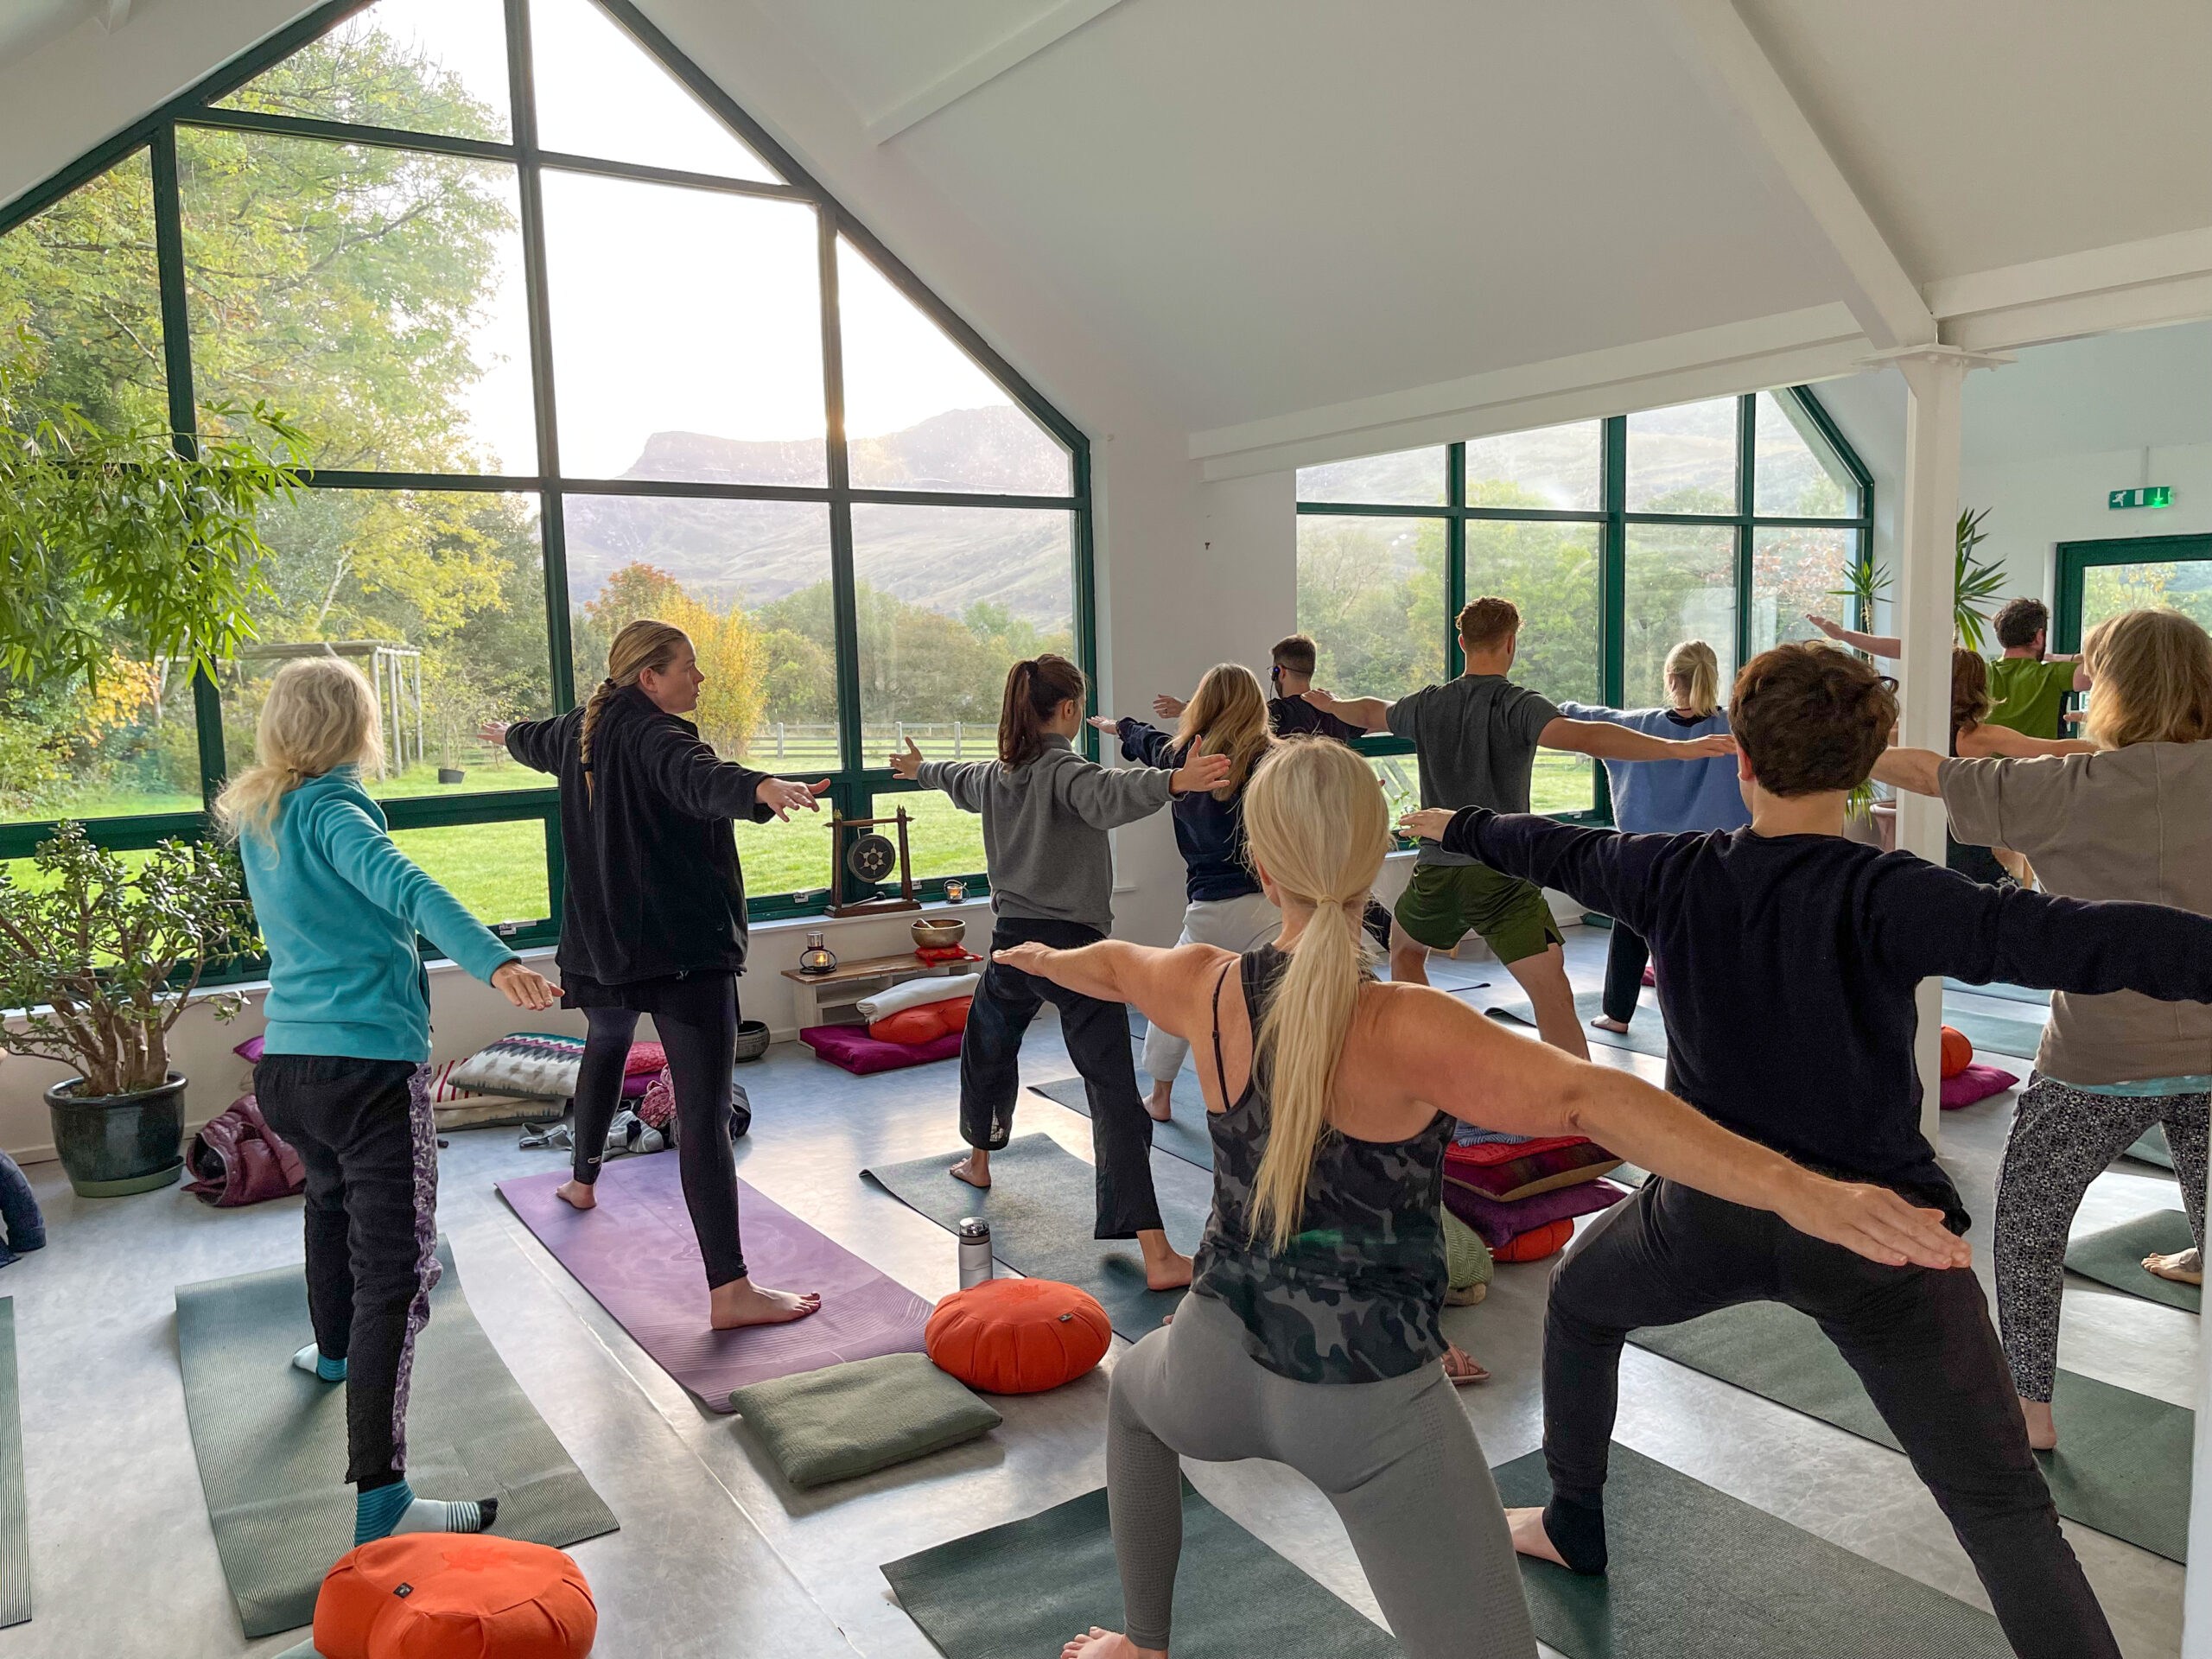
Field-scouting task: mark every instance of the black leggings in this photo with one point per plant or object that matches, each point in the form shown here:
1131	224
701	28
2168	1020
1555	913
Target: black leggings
1919	1339
1625	956
699	1060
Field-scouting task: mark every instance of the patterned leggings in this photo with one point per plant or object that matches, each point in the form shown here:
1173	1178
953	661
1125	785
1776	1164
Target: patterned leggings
2063	1138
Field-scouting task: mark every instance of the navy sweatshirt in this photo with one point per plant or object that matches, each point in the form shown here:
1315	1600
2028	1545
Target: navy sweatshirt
1791	962
1210	833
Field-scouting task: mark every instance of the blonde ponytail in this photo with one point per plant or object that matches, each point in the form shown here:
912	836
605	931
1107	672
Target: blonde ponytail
1693	671
319	714
1318	824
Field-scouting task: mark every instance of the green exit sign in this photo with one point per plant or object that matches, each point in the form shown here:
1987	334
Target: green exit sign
2155	495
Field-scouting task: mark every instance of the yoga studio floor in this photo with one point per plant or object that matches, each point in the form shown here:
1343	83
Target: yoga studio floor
712	1559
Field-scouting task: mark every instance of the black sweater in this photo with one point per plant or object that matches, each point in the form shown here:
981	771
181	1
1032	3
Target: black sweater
652	884
1210	833
1789	965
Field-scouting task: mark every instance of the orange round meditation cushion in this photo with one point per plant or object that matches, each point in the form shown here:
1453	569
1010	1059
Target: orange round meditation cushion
1537	1244
1017	1335
441	1595
955	1014
922	1024
1958	1052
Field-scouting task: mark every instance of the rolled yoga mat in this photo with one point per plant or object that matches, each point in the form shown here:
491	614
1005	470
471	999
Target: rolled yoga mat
2115	1256
1993	1034
1646	1033
2122	1465
1185	1135
2002	992
1026	1588
1041	1205
271	1441
1697	1574
635	1252
14	1505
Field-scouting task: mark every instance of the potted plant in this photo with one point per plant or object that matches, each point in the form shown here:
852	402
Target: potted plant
103	960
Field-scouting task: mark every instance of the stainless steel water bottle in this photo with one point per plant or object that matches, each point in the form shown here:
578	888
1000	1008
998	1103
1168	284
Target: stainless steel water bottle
974	1251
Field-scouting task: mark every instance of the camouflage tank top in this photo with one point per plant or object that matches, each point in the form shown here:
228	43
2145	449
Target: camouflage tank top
1358	1294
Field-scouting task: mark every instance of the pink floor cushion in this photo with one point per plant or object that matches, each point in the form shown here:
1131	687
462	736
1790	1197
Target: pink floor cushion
1499	1224
645	1057
1977	1081
1542	1171
851	1047
1505	1151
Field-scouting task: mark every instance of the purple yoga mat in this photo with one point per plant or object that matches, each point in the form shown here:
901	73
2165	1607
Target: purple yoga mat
636	1254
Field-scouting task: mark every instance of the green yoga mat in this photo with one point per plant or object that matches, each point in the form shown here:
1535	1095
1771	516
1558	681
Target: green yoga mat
1023	1589
2122	1466
14	1506
2115	1256
1993	1034
2004	993
1183	1135
271	1441
1041	1205
2151	1147
1697	1574
1646	1033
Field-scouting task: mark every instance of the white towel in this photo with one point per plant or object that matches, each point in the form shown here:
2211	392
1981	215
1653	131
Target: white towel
914	994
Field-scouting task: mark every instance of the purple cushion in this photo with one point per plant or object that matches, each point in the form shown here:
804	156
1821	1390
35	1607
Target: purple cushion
1977	1081
851	1047
1500	1222
1525	1177
249	1050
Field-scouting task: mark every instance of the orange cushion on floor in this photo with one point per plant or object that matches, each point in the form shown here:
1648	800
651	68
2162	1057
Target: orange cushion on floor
1536	1244
956	1013
1017	1335
439	1595
922	1024
1958	1052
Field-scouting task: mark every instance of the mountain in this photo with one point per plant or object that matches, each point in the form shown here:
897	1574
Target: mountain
752	552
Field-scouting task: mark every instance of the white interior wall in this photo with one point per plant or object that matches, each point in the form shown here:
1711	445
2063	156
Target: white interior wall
2036	505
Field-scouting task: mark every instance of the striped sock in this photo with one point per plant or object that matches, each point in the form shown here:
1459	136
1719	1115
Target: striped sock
388	1510
311	1360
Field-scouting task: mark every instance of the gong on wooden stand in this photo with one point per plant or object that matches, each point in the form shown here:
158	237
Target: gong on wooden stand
869	860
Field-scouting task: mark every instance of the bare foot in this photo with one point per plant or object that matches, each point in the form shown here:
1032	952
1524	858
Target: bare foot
2184	1267
1158	1107
1165	1268
741	1302
1606	1022
1529	1537
1461	1366
2043	1428
1107	1644
975	1169
576	1195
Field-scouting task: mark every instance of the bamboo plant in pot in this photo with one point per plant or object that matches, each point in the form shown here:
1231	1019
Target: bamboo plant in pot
104	961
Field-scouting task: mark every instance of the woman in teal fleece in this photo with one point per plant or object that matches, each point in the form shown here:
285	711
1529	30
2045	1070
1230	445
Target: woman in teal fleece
344	1070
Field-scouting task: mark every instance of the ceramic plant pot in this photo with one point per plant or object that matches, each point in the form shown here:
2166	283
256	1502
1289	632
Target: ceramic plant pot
113	1145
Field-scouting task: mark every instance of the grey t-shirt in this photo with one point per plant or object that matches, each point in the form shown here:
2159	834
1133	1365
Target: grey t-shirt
1475	737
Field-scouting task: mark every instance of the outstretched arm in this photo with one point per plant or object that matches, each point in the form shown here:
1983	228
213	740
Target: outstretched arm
1369	714
1979	742
1609	742
1909	769
1874	645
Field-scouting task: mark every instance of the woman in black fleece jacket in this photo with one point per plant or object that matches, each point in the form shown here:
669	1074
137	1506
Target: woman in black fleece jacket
1792	956
652	921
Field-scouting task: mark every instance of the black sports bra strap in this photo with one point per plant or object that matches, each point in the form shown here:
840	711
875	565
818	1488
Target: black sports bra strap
1220	1071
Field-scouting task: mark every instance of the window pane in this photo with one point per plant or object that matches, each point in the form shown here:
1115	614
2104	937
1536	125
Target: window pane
496	870
949	598
1370	591
945	840
1683	459
438	598
1400	776
749	582
601	94
1550	571
1555	466
1796	474
80	279
1682	585
1412	478
424	65
2184	585
1793	572
786	856
125	745
686	332
920	414
376	296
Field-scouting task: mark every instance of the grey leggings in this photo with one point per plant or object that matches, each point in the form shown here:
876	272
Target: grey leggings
1398	1458
2063	1138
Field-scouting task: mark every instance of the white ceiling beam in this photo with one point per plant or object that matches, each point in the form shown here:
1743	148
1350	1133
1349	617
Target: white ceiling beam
2145	285
1815	344
1722	49
1053	24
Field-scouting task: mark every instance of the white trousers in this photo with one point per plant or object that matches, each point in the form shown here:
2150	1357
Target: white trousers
1238	924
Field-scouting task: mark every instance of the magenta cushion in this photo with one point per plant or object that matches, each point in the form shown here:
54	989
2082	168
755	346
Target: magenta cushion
1977	1081
851	1047
249	1050
1498	1223
1509	1180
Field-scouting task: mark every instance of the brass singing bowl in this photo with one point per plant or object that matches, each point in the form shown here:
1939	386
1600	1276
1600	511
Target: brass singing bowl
936	936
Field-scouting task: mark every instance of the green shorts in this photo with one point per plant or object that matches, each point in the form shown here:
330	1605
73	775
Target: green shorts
1443	902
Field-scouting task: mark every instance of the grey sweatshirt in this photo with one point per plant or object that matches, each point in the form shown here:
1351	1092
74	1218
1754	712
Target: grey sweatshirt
1044	827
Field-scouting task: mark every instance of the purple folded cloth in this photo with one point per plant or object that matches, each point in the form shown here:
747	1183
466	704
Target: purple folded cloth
1500	1223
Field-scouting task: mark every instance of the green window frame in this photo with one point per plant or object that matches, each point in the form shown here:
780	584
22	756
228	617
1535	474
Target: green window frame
2077	559
1611	519
854	784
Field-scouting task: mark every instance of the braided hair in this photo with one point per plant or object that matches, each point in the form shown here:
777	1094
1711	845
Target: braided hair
642	644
